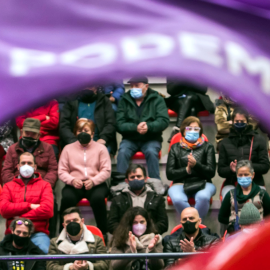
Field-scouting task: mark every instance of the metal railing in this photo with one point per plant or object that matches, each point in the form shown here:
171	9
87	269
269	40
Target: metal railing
125	256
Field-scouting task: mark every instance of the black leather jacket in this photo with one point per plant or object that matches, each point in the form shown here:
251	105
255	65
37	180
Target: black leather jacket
154	204
204	169
202	242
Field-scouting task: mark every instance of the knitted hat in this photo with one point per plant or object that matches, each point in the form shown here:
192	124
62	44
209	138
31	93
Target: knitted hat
249	214
31	124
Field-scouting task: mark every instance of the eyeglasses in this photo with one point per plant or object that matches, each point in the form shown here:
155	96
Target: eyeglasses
197	129
21	222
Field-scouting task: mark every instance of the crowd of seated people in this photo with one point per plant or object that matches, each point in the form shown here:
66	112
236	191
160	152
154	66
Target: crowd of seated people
76	145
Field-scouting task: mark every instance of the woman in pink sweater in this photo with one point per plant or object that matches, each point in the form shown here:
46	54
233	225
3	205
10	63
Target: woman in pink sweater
84	167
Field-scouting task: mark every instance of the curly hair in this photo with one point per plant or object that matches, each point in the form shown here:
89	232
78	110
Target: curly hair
120	235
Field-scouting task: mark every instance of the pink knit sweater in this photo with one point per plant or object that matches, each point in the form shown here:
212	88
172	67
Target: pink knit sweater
91	162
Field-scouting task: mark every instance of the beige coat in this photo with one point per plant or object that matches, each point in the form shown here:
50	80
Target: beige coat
91	244
142	247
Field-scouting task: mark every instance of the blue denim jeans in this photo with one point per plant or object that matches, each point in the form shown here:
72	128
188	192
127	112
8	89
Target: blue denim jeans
41	240
129	148
202	198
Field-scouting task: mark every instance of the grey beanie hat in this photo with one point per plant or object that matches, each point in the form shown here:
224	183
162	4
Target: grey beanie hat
249	214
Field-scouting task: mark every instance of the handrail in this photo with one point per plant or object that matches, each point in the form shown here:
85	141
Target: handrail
124	256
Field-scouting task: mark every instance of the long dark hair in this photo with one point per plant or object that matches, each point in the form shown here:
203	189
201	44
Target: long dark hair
120	235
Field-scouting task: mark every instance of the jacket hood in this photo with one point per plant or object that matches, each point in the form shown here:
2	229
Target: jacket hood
37	177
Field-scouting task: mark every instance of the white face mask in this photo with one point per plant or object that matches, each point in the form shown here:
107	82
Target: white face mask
139	229
26	171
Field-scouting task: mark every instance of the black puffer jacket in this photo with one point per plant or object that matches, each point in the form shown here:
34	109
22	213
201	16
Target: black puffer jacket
204	169
237	147
154	204
6	248
202	242
104	118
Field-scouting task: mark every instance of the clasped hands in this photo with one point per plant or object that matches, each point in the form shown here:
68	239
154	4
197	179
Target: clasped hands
187	246
132	242
78	183
142	128
79	265
191	163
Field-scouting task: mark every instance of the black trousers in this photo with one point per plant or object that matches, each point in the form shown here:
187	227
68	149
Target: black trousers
184	107
96	196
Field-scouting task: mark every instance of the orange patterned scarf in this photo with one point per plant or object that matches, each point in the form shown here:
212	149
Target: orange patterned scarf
187	145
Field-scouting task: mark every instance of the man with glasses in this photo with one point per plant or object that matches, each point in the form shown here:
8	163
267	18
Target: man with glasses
192	238
29	196
18	243
74	239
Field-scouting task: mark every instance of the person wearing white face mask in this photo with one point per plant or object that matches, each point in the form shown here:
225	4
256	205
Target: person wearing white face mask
141	117
29	196
136	234
245	191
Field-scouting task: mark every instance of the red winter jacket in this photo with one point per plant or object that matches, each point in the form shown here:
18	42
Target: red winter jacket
17	197
45	161
49	128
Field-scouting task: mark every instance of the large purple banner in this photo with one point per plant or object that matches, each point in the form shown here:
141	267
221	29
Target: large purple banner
49	48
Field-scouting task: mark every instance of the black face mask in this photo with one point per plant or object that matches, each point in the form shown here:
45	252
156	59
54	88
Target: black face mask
240	126
87	96
21	241
73	228
189	227
29	141
84	138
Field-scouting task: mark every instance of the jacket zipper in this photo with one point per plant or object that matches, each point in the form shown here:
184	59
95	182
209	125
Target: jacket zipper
147	203
85	169
25	192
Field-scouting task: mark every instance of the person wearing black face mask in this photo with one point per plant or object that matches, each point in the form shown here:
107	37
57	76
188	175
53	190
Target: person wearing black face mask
191	239
75	238
138	193
19	243
243	143
42	151
91	105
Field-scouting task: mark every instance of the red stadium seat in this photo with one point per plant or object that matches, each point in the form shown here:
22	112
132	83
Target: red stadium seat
96	231
140	155
176	139
174	114
201	226
85	202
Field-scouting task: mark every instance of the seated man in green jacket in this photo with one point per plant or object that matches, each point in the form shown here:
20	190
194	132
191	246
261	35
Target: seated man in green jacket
141	117
75	238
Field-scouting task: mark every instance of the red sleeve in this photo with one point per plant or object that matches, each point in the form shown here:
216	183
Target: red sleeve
53	122
45	211
51	175
10	209
9	169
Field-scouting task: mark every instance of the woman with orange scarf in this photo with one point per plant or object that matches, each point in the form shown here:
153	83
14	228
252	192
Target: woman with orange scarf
191	165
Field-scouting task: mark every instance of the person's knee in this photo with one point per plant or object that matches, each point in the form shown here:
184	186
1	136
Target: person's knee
151	151
97	200
203	197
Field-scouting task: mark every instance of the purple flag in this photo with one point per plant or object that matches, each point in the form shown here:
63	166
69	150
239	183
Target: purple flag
49	48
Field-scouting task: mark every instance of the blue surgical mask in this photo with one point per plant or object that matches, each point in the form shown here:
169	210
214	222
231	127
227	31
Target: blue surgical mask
244	181
136	184
240	126
136	93
192	136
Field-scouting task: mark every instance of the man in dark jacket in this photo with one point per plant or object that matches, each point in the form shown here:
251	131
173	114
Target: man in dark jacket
141	117
138	194
18	243
94	106
192	238
42	152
